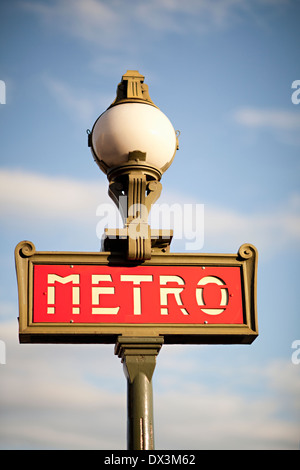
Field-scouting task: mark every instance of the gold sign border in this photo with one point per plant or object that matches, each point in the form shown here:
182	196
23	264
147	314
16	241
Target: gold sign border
26	257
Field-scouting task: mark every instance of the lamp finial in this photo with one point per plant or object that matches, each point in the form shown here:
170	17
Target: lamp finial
132	89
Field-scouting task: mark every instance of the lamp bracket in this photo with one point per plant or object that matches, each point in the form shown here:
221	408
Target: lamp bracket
135	187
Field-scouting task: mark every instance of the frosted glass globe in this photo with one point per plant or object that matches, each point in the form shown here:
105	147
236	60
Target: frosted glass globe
134	126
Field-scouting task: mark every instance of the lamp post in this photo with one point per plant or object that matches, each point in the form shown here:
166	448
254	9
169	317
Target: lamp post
134	143
84	297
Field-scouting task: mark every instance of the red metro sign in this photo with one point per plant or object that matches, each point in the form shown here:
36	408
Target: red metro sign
139	294
96	297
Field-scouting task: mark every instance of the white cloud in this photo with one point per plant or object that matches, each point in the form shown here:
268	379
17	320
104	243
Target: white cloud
111	24
226	228
193	16
283	125
268	118
45	403
90	20
71	397
218	420
33	197
228	404
80	104
271	231
28	195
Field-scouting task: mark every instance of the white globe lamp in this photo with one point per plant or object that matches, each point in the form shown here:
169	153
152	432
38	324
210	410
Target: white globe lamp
134	143
129	127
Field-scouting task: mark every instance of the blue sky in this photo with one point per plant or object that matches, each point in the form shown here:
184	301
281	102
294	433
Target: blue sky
222	71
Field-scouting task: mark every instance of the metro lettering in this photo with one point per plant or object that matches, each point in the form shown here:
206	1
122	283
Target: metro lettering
96	291
52	278
165	291
224	294
136	290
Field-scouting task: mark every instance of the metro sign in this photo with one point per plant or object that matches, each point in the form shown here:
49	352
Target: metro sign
95	297
139	294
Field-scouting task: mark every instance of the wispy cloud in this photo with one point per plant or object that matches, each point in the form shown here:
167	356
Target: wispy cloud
34	197
90	20
195	16
284	125
80	104
270	231
226	228
62	406
70	397
276	119
111	24
28	195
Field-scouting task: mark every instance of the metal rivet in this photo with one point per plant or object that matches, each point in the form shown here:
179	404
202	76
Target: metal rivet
203	267
205	323
71	321
71	266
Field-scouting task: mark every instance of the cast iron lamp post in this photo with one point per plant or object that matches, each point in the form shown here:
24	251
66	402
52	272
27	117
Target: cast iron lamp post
134	143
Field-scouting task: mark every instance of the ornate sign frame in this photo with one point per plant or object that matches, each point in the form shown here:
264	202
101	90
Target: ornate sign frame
26	257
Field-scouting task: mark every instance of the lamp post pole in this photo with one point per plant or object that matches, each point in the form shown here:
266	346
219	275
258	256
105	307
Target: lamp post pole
138	356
